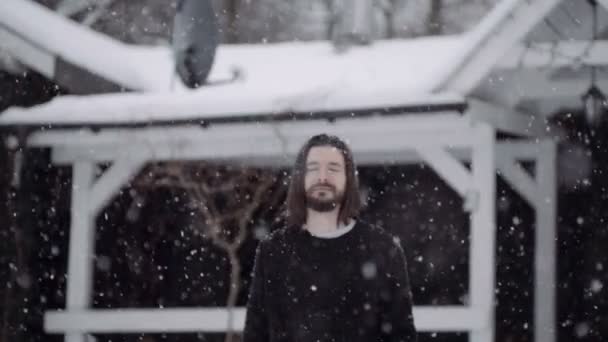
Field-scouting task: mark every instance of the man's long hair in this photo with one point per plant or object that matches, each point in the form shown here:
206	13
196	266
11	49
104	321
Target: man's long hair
296	194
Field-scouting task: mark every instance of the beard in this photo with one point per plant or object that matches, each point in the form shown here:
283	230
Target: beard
324	203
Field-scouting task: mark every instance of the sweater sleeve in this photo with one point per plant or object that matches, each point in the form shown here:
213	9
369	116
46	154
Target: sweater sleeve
397	320
256	317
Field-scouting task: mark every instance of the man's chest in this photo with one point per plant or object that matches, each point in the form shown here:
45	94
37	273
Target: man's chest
339	285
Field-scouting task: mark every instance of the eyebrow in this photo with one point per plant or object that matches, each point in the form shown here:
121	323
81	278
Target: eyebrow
314	163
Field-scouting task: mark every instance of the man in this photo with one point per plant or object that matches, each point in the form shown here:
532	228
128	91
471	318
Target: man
326	276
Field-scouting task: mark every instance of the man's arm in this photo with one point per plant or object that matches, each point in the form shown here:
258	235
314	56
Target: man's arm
397	323
256	318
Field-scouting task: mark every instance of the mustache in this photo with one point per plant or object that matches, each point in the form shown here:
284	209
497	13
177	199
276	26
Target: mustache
323	185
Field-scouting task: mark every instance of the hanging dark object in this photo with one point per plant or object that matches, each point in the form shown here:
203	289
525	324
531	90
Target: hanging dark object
595	102
195	39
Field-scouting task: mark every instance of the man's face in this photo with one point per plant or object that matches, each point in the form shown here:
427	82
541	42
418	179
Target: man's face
325	178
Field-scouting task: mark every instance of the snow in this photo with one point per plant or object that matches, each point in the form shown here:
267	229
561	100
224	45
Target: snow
277	78
274	79
135	67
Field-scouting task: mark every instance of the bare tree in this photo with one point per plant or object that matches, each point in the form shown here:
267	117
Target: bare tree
226	199
19	278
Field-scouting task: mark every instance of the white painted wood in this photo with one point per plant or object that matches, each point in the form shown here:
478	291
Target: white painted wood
508	23
541	89
545	265
522	150
483	234
27	53
525	151
81	245
224	133
603	3
113	179
271	149
533	84
509	120
482	335
62	155
555	55
519	179
452	171
447	318
541	194
427	318
253	141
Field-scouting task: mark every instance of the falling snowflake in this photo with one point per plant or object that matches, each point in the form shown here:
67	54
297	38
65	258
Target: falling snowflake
369	270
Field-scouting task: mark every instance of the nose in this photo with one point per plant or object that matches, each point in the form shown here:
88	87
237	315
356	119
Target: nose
323	175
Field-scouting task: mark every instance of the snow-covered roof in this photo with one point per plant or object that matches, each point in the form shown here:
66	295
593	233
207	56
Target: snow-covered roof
134	67
280	78
305	77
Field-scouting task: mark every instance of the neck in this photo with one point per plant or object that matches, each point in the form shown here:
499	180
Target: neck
317	222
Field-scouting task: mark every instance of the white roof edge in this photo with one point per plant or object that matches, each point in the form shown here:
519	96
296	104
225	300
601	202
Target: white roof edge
47	114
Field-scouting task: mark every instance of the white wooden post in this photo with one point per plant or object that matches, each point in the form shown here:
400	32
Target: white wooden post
483	233
541	194
81	249
545	249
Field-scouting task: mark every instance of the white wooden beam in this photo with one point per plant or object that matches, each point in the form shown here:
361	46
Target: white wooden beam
506	25
452	171
168	320
555	55
522	150
395	156
403	124
113	179
270	148
541	194
501	92
389	157
532	84
482	265
545	265
27	53
253	141
79	286
510	120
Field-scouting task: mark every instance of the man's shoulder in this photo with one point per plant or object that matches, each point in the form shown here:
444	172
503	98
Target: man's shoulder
279	239
279	235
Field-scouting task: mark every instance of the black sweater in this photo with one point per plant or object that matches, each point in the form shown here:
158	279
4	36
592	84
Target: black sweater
347	289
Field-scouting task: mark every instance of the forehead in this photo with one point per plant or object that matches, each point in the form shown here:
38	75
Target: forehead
325	154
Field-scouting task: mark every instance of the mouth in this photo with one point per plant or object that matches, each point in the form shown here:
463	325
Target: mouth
322	188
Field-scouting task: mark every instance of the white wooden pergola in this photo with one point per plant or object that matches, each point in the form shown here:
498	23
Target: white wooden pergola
510	44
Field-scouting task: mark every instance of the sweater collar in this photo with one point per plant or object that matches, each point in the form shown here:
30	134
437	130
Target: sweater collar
342	229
